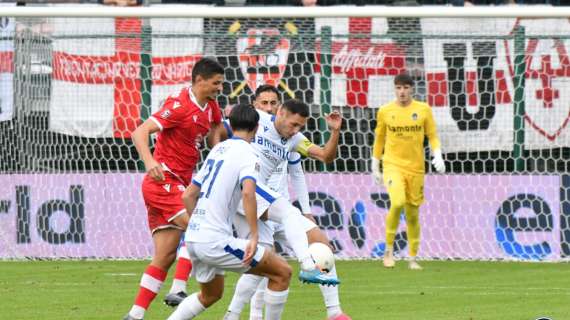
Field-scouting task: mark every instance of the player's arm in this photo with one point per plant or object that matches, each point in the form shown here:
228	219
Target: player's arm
141	138
216	135
299	184
190	197
217	128
250	209
435	144
378	148
327	153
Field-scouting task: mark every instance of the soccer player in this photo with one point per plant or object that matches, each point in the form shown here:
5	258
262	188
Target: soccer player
398	149
182	122
230	172
267	99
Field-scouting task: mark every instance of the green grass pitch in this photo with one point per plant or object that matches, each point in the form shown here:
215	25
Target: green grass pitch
443	290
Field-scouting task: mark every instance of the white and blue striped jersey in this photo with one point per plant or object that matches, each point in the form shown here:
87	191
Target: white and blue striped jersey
220	179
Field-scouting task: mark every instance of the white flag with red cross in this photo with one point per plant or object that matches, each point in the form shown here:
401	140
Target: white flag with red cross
7	27
96	86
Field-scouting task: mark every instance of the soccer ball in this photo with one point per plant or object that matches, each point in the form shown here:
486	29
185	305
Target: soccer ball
322	255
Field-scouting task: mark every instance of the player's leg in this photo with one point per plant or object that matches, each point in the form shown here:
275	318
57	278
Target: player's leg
395	185
257	301
196	303
166	220
165	244
278	273
248	283
283	212
330	293
177	291
415	196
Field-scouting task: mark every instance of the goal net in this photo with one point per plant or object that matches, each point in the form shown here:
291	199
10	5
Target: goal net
72	90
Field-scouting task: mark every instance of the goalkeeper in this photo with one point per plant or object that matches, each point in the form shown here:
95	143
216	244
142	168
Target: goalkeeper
398	161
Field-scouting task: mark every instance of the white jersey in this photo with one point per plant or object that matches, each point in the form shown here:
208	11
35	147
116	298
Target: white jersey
278	181
273	150
220	178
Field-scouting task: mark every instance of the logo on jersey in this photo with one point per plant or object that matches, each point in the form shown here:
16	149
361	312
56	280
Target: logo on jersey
194	117
257	167
283	141
265	128
165	114
166	187
176	105
414	116
263	55
181	188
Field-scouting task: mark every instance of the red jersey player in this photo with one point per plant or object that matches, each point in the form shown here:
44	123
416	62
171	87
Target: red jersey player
182	122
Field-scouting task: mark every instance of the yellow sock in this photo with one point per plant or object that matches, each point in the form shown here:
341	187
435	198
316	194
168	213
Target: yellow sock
413	222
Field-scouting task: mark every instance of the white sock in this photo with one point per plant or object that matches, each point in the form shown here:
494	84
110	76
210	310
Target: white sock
257	303
177	286
137	312
282	211
245	288
330	296
188	308
275	303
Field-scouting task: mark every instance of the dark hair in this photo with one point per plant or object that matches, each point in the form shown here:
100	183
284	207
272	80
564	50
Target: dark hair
266	88
243	117
403	79
206	68
296	107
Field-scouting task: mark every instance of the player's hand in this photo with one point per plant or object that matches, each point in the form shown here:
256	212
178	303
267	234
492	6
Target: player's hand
228	110
376	173
334	120
250	250
154	170
438	162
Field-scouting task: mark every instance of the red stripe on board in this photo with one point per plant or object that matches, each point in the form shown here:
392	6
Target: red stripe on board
6	62
126	114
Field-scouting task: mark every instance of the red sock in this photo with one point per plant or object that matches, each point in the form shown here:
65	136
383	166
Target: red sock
151	282
183	269
183	266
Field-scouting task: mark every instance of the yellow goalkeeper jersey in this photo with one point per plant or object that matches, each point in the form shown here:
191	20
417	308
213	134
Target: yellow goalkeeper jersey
400	133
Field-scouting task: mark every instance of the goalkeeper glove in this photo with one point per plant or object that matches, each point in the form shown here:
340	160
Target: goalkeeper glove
437	161
376	173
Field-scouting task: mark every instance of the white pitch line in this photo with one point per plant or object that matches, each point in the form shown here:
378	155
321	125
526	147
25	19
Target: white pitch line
121	274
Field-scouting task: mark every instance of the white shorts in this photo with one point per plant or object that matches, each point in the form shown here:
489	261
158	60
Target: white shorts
264	230
213	258
268	231
265	196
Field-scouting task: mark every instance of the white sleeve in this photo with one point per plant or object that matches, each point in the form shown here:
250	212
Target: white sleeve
298	183
250	170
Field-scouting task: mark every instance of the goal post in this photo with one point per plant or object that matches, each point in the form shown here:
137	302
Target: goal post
76	81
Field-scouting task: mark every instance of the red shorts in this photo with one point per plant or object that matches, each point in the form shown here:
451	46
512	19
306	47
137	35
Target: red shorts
163	201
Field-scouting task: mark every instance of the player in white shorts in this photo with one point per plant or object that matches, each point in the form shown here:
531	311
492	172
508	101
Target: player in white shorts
229	174
267	99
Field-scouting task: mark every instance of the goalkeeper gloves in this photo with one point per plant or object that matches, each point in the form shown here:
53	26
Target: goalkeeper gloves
376	173
437	161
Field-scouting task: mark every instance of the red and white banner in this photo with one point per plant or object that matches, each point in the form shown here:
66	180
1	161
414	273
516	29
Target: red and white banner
363	67
96	88
468	80
7	27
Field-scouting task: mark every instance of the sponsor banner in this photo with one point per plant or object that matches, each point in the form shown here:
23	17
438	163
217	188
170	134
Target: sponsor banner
7	27
96	87
73	215
464	217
